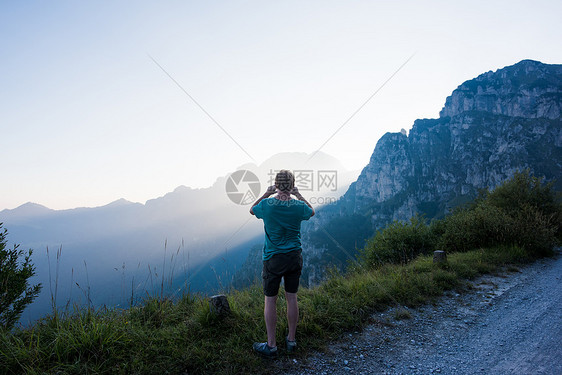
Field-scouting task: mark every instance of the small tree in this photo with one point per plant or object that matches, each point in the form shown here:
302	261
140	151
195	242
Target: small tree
15	291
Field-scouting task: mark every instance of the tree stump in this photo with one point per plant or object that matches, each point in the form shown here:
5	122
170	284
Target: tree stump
219	305
439	256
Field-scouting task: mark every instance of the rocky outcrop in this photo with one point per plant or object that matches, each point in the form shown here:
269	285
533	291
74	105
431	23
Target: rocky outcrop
528	89
490	127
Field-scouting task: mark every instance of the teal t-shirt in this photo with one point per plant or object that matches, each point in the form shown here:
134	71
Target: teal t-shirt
282	224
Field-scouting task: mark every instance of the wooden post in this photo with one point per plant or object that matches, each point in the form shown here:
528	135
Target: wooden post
219	305
439	256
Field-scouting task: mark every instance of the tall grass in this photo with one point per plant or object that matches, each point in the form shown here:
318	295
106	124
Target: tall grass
162	336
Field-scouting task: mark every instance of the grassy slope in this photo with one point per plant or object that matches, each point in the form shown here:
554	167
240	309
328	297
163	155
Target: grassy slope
173	337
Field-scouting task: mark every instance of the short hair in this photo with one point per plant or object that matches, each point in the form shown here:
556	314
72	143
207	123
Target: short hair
285	180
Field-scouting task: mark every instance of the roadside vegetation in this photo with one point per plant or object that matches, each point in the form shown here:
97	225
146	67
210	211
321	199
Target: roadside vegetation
15	292
516	223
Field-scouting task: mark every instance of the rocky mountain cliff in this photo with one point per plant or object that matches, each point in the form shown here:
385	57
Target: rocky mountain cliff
490	127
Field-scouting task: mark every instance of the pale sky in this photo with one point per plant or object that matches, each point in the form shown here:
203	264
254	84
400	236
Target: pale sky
87	117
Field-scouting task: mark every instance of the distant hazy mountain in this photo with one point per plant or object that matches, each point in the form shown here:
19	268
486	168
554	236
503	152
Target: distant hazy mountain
194	238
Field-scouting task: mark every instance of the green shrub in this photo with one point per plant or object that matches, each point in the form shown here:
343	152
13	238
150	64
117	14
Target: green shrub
522	211
535	208
399	243
522	191
472	228
534	230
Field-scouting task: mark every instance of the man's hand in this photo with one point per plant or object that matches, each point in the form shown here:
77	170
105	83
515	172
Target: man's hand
271	190
295	191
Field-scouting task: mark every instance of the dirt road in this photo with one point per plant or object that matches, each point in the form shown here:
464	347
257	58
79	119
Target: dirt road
507	324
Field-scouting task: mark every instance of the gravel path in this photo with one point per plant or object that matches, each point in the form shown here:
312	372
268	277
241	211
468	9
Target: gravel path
507	324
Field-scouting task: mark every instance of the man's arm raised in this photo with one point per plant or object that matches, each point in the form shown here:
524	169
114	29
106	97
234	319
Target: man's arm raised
269	192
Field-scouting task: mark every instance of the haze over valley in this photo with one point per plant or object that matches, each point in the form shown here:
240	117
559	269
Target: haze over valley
193	239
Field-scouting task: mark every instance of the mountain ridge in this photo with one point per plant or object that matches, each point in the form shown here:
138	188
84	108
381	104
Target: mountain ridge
489	128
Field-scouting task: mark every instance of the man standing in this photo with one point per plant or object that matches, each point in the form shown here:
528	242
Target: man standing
282	254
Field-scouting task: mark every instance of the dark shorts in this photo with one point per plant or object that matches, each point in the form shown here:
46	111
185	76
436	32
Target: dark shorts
287	266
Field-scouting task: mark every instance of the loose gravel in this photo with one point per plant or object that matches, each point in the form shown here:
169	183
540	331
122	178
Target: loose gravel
509	323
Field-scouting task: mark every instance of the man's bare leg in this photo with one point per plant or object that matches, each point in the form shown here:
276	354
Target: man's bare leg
270	314
292	314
